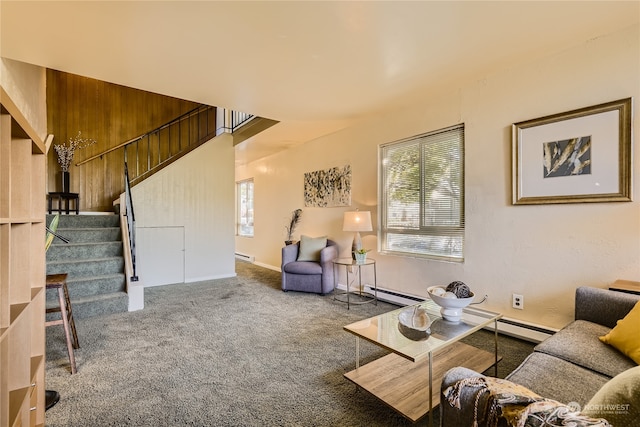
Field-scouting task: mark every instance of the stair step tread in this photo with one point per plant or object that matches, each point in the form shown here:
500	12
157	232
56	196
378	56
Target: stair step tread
90	298
97	305
73	244
99	297
83	260
88	228
87	278
81	287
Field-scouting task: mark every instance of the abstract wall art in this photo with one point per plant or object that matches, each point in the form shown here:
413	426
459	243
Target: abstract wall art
328	188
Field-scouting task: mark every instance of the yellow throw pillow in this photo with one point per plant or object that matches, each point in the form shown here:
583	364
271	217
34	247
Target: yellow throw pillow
625	337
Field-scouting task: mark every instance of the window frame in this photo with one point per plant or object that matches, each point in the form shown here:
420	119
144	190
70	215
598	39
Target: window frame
423	230
239	208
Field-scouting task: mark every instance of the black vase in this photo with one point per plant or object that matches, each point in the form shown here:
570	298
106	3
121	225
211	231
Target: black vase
65	182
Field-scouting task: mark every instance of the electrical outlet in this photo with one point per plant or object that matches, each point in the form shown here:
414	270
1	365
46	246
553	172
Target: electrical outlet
518	301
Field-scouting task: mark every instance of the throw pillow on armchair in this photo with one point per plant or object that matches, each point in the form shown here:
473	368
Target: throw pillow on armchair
310	248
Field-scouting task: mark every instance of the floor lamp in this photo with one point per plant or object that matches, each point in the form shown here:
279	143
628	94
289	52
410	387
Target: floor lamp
357	221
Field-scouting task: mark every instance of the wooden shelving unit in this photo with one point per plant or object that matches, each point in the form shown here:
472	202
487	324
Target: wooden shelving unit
22	269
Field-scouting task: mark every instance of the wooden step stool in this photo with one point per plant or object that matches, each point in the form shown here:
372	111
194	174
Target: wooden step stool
59	282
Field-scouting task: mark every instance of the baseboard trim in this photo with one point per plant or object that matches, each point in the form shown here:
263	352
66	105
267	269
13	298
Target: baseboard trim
267	266
524	330
507	326
245	257
207	278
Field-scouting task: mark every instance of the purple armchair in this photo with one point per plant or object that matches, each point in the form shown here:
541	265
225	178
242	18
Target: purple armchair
308	276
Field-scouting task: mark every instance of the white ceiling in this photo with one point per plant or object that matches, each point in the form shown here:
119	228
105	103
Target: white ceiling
316	66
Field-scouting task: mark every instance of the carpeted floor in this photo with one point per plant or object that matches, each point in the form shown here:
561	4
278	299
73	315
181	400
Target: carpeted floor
230	352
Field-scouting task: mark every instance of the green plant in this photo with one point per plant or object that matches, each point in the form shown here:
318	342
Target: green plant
362	251
51	229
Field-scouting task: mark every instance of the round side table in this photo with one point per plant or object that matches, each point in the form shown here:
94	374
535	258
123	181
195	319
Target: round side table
355	268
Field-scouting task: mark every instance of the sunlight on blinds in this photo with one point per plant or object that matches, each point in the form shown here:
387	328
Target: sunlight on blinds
422	185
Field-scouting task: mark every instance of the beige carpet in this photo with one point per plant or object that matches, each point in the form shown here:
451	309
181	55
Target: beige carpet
232	352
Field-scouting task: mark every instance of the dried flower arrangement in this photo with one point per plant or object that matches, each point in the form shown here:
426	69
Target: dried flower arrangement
66	152
293	223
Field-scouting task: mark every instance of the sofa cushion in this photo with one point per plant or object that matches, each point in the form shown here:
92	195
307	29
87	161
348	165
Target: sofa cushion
578	343
624	337
618	400
310	248
303	267
557	379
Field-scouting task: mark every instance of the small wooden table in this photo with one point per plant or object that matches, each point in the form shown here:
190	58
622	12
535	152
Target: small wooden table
60	196
628	286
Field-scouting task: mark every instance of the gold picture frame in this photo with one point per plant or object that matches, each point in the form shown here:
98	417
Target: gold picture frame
579	156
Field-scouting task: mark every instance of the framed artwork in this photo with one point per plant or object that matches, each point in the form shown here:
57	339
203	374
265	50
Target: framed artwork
328	188
574	157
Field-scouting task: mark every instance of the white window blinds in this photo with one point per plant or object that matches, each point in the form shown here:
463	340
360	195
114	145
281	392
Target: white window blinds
422	194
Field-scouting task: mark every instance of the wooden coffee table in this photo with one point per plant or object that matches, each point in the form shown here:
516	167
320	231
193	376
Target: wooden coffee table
408	378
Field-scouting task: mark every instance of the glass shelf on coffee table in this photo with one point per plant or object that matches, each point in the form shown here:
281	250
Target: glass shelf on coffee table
408	378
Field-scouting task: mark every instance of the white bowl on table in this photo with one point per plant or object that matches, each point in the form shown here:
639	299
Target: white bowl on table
450	308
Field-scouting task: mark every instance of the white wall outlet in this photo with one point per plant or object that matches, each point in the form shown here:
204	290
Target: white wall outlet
518	301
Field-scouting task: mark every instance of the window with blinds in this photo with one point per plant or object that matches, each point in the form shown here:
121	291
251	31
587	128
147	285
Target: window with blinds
422	195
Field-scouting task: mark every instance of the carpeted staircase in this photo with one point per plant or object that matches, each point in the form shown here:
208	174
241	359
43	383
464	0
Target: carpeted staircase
93	260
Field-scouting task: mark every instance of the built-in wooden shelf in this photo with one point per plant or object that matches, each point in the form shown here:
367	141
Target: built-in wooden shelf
22	269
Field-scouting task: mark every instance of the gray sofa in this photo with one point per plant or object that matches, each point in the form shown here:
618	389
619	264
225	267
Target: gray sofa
570	366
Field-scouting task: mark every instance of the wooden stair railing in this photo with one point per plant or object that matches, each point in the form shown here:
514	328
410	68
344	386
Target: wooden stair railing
154	150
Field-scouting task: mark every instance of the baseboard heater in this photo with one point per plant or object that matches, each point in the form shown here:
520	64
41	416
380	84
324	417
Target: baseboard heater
395	297
507	326
245	257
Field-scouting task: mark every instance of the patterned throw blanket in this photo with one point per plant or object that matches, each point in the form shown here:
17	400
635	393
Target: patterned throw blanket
512	405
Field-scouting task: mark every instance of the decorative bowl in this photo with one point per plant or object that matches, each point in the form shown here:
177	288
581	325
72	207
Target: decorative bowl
450	308
415	318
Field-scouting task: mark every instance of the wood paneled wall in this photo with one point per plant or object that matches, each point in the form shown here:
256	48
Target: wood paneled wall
109	113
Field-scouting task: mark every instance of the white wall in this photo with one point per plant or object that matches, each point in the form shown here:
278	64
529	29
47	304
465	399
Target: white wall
194	196
544	251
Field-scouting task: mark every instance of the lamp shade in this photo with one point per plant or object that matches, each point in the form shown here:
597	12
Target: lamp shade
357	221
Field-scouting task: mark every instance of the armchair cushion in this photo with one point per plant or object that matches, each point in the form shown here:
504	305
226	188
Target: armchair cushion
310	248
303	267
